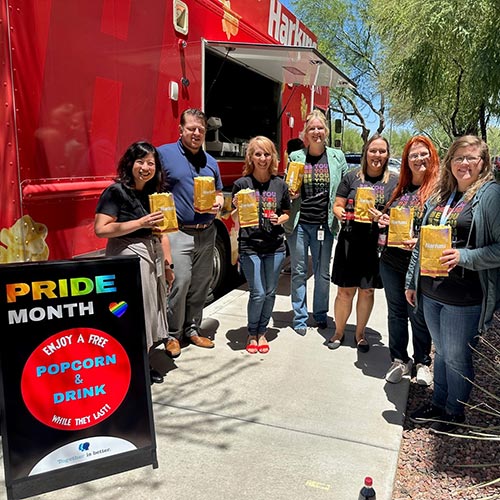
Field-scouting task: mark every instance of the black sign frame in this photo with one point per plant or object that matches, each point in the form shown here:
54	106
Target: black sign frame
114	307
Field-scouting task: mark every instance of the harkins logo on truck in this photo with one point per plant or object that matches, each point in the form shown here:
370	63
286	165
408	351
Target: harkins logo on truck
286	30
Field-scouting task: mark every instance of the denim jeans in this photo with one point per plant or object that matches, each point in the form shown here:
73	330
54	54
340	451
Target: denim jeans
303	238
399	311
452	329
262	273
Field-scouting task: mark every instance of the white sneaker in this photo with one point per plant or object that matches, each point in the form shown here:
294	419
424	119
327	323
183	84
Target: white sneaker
398	370
424	375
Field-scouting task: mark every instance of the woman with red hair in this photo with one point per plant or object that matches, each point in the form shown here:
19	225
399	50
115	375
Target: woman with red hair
417	180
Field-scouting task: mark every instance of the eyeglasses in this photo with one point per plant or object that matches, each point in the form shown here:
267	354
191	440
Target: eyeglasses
416	156
469	159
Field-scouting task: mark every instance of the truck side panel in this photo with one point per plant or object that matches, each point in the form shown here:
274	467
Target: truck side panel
83	80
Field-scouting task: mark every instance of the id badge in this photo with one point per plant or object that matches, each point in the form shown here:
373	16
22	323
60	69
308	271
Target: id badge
321	234
159	267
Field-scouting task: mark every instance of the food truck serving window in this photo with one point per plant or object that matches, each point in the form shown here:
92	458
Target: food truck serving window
243	90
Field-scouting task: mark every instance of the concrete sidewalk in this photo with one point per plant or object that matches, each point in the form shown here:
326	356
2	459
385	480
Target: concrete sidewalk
301	422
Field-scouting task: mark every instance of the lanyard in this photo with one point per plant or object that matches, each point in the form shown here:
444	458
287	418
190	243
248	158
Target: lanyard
446	211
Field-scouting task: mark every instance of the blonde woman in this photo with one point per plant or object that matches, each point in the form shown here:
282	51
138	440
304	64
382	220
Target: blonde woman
312	225
262	247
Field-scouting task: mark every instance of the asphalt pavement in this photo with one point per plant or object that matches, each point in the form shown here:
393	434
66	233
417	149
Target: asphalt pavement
299	423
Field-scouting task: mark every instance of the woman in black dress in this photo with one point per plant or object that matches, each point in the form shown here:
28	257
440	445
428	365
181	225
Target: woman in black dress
356	261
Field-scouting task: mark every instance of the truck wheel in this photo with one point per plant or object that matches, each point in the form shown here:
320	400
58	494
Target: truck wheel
221	270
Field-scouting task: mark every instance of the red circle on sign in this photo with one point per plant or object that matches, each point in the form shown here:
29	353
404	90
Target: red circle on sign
76	379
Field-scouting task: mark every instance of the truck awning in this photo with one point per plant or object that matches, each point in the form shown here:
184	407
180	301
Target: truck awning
284	63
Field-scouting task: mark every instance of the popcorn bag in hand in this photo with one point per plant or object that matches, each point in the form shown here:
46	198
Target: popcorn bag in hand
433	240
204	194
400	226
248	212
165	203
294	175
365	199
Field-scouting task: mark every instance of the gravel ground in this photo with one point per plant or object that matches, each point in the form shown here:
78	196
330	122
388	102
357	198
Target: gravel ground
445	467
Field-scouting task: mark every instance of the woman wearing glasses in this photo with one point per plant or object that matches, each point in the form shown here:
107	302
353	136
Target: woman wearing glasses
356	262
461	304
417	180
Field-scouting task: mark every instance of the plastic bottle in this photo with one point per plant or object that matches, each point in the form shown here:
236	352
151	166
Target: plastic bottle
382	238
349	216
367	492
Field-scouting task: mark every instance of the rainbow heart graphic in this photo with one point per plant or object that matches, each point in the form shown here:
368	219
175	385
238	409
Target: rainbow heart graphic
118	309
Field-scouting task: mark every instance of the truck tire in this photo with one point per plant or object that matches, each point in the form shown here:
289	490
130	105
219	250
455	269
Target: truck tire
221	270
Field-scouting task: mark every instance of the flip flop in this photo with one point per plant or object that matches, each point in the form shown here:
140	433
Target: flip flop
363	345
252	348
263	349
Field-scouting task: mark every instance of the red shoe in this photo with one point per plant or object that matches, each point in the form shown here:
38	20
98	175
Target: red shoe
263	349
252	348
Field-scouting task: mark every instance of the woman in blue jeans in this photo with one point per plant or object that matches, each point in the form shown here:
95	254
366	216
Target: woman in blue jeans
262	247
312	225
417	180
461	304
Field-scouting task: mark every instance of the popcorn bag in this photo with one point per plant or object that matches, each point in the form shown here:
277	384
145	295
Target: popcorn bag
248	213
294	175
204	194
365	199
400	226
165	203
433	240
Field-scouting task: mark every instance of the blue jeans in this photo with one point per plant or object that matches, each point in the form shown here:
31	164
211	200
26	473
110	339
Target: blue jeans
262	273
399	311
303	238
452	329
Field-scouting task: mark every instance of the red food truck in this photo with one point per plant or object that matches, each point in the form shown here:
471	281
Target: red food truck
83	80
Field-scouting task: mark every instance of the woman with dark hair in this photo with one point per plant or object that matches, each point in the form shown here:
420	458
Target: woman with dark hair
262	247
460	304
356	260
417	180
123	216
312	225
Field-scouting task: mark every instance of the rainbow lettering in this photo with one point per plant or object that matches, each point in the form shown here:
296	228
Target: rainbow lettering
73	287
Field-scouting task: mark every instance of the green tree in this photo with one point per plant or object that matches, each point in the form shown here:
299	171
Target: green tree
351	140
441	61
347	37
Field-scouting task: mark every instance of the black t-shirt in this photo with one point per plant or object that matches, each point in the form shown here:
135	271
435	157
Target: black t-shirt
383	191
461	286
125	204
315	190
272	196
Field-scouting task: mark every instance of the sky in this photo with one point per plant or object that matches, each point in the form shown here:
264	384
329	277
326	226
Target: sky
287	4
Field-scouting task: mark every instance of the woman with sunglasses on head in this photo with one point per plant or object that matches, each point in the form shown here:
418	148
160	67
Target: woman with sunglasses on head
312	225
356	261
461	304
262	247
417	180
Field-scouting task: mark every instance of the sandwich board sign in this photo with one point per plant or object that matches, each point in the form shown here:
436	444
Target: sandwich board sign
74	376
